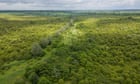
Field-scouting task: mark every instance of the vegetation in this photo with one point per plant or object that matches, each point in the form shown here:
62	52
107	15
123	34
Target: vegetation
37	50
87	48
44	42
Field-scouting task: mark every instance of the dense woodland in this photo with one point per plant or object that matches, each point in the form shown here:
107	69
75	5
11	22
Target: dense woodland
69	48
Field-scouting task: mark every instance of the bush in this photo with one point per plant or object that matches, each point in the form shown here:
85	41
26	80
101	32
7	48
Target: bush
61	81
19	80
43	80
44	42
37	50
33	77
130	18
81	25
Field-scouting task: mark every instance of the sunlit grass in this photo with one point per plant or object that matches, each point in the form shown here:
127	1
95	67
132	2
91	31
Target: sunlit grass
22	18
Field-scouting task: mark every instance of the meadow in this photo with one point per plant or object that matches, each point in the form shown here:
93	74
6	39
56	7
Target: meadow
71	47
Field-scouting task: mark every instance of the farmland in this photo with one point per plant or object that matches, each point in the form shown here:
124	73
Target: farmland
70	47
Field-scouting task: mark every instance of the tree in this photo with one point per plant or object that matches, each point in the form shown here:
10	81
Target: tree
43	80
37	50
81	25
71	23
44	42
33	78
130	18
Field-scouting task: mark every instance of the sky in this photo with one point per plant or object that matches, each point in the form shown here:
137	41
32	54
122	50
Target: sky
68	4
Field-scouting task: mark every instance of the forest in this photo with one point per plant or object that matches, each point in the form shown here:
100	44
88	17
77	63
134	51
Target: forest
69	47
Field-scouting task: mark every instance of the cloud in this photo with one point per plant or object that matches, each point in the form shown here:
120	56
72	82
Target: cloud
68	4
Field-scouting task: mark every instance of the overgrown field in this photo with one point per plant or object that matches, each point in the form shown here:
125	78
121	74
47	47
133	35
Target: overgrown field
80	49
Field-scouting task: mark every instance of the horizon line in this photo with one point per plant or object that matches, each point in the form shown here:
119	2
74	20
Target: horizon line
74	10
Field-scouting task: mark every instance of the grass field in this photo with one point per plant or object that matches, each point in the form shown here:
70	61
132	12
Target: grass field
66	48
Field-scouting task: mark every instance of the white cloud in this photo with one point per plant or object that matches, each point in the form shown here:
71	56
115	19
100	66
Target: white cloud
68	4
22	6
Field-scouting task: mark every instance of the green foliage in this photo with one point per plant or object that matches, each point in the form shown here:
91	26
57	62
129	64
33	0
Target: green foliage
81	25
19	32
43	80
61	81
130	18
100	49
97	55
37	50
20	80
33	78
44	42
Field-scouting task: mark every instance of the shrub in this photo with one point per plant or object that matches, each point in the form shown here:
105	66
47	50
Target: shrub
44	42
61	51
81	25
71	22
130	18
37	50
61	81
43	80
33	77
127	81
19	80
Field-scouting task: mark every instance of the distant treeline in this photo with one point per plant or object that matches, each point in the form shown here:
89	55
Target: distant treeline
71	12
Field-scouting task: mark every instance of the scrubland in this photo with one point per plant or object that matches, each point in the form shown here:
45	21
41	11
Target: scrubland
80	49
